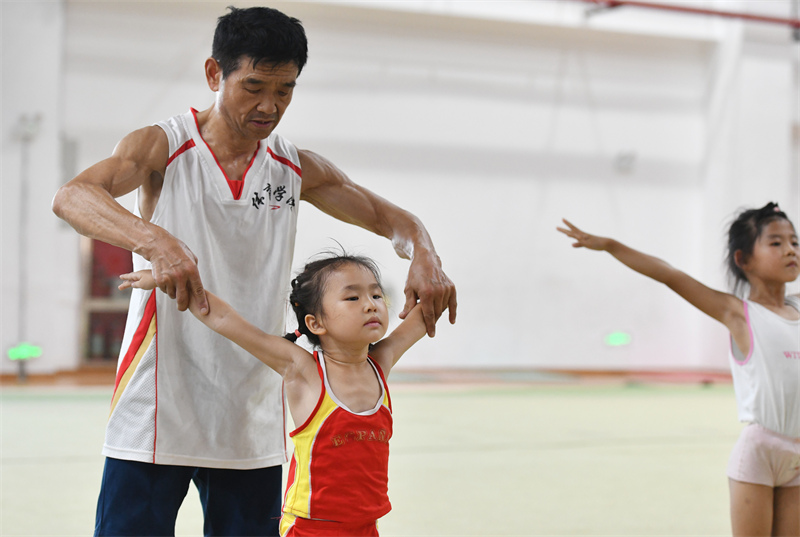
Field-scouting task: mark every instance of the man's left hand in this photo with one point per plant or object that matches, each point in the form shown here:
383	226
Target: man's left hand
429	285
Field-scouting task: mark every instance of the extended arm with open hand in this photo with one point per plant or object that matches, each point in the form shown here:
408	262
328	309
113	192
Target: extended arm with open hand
723	307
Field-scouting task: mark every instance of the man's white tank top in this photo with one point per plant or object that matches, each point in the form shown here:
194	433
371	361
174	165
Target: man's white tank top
767	380
185	395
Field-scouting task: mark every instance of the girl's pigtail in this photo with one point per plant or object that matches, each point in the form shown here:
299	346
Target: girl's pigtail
298	300
293	336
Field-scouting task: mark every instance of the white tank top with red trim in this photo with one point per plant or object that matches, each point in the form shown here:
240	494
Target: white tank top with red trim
767	380
185	395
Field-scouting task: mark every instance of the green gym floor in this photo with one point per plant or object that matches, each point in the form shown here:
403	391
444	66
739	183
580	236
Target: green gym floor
512	454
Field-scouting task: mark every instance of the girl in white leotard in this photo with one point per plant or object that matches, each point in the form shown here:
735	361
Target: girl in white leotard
763	253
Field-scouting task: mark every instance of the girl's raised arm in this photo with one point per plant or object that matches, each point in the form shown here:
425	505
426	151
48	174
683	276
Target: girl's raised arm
723	307
277	352
388	351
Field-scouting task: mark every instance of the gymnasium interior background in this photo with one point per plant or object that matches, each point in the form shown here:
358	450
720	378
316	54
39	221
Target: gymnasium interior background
489	120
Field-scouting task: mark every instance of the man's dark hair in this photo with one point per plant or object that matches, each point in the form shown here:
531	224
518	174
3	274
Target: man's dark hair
263	34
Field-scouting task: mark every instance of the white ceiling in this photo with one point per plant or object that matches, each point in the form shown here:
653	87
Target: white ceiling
128	64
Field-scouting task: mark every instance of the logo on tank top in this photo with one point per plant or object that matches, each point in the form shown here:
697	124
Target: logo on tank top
360	436
278	198
792	354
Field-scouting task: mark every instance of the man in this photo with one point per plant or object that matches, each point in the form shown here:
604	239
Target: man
216	205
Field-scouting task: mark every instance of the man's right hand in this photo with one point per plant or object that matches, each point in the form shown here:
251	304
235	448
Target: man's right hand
175	272
88	203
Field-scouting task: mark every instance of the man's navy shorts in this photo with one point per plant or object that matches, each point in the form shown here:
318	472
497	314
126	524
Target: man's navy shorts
142	499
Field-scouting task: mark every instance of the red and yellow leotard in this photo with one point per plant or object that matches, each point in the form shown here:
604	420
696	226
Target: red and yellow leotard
339	471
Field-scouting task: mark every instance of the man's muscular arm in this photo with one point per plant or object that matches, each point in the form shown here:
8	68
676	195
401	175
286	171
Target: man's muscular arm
88	204
330	190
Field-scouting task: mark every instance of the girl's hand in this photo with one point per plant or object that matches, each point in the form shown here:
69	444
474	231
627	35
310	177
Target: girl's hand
583	239
142	279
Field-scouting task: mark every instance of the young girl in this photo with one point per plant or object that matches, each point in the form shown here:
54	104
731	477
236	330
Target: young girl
337	483
764	469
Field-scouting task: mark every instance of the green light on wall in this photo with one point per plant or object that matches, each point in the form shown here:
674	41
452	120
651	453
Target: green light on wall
618	339
24	351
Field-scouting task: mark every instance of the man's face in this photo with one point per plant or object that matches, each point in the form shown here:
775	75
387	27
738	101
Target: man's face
253	99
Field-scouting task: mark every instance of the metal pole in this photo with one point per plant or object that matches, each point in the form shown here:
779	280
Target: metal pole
28	128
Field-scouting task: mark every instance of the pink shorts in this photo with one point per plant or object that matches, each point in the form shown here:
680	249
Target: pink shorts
764	457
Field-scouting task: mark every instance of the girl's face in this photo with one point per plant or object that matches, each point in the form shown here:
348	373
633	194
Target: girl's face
776	254
353	307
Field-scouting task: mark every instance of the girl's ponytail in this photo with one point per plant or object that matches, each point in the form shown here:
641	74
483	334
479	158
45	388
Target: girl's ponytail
293	336
305	299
